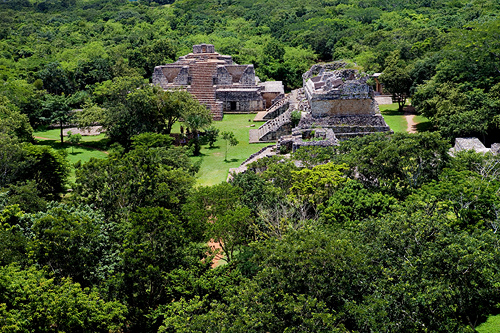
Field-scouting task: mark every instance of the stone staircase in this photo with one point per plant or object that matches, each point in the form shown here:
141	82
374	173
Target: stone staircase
277	108
264	152
272	129
202	88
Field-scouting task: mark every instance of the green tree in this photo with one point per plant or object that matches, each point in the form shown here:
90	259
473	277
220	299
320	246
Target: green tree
55	79
396	79
72	242
230	141
222	216
395	163
157	176
29	301
211	134
154	245
26	162
13	123
196	119
59	110
74	139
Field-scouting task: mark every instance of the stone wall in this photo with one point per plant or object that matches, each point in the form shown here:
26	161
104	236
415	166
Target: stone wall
203	48
223	76
243	100
183	77
334	107
159	78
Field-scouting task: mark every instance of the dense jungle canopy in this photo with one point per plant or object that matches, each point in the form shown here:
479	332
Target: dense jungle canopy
384	233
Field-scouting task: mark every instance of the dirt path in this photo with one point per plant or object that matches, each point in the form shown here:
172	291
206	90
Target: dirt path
412	125
215	246
410	119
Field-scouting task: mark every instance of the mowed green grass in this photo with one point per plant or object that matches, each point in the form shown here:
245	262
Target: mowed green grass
75	153
492	325
54	134
214	169
395	119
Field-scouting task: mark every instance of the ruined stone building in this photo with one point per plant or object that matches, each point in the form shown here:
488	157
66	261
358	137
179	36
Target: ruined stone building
218	82
335	104
333	97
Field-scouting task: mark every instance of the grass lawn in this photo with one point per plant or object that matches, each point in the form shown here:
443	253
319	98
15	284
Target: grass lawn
214	169
54	134
83	152
492	325
395	119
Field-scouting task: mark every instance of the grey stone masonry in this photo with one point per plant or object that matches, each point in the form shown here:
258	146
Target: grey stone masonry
474	144
277	108
319	137
217	82
340	91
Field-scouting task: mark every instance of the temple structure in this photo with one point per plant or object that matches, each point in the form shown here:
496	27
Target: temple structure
333	97
218	82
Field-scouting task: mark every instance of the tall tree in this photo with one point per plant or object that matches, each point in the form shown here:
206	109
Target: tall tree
59	111
396	79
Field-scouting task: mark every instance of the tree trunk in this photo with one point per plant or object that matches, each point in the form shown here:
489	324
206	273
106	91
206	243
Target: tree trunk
62	137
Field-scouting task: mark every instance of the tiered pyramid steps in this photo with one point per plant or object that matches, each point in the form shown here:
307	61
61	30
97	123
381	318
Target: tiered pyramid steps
202	87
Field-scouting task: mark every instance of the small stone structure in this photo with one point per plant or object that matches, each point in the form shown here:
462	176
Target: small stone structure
218	82
319	137
474	144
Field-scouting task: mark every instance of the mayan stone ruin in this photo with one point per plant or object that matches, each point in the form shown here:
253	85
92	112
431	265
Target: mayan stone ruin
216	81
474	144
333	97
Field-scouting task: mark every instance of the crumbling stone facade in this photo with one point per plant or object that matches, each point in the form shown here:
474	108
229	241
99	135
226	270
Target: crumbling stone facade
338	92
216	81
333	97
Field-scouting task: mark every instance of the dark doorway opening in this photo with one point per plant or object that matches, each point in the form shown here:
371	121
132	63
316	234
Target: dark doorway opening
233	106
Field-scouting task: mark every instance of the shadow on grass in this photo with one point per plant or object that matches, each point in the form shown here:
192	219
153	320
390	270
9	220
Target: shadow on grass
426	126
231	160
199	155
392	113
102	144
214	147
57	145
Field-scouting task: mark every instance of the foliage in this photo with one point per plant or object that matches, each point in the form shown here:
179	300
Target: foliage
211	134
142	177
230	141
353	202
30	301
13	123
24	162
74	139
295	117
72	242
396	163
405	238
58	110
226	219
396	79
